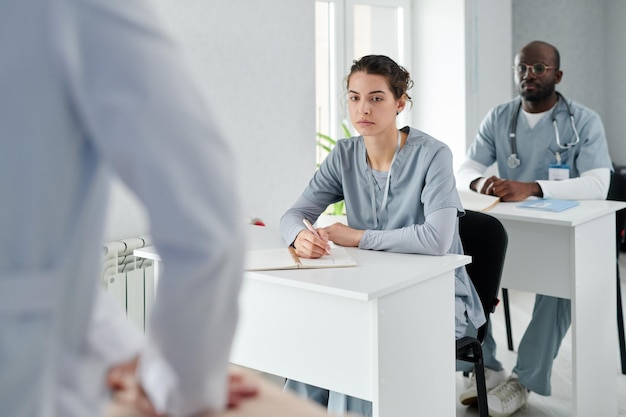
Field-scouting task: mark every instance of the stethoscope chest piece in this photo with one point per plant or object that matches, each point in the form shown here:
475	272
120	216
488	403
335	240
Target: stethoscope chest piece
513	161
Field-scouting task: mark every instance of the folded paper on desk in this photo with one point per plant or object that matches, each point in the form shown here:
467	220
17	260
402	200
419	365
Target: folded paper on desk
474	201
286	258
549	204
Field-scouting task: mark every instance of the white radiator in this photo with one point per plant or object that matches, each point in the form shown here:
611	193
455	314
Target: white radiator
129	279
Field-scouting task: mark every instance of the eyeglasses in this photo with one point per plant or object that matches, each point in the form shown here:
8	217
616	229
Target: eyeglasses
538	69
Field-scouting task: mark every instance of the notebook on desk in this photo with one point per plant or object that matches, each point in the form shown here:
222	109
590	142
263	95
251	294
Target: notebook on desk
286	258
549	204
471	200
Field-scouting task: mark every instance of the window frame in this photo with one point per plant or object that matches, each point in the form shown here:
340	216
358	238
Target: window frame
341	55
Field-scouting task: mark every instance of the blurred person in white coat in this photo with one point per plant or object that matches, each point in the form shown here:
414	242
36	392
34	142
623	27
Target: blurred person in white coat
90	88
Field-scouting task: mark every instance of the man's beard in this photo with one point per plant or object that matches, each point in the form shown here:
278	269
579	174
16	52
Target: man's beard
539	94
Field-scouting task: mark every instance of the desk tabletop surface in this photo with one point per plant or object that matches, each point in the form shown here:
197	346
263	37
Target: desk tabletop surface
377	273
586	211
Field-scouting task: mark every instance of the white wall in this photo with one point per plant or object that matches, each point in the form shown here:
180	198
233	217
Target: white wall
438	71
126	216
256	62
461	66
488	59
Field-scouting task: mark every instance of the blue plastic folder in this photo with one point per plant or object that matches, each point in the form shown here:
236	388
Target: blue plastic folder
549	204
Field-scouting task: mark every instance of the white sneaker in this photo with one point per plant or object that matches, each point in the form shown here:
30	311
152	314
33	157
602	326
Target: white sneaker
507	398
492	380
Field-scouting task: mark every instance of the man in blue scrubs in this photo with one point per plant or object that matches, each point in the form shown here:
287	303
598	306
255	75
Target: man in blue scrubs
539	151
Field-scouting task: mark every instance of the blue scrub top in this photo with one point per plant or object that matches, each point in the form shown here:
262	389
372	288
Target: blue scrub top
421	181
537	146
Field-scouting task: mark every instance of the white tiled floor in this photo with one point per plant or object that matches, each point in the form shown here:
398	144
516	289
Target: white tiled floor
557	405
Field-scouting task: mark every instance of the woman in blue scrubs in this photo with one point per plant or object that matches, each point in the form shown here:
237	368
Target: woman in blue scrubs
399	191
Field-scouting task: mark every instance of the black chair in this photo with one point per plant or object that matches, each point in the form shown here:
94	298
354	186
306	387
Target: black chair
485	240
617	192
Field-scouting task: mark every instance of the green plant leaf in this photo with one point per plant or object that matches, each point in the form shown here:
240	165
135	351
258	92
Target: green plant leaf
346	131
326	143
339	208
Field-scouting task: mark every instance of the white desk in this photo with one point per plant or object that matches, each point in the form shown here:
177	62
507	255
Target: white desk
382	331
572	255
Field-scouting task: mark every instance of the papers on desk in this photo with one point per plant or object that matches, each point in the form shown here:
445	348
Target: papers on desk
286	258
474	201
549	204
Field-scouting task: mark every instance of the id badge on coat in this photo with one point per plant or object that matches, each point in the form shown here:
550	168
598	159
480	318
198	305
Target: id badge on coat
558	172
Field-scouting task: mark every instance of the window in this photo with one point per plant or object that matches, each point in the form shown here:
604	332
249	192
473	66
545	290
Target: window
347	30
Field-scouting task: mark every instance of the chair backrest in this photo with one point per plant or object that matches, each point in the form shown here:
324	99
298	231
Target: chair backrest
485	240
617	192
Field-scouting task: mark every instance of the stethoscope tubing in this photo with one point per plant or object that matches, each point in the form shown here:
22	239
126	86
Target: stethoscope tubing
513	161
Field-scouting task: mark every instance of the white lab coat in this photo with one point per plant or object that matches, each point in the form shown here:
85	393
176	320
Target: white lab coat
89	87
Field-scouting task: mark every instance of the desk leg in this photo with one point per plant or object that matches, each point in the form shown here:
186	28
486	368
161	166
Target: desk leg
414	344
594	344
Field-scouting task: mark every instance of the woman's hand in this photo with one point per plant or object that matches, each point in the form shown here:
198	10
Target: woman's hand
308	245
343	235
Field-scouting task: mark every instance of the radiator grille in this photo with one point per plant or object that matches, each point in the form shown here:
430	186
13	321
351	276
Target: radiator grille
129	279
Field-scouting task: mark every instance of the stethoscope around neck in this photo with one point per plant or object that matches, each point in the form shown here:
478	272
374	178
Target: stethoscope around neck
514	161
383	205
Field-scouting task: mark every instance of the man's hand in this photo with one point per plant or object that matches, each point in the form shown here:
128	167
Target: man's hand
123	382
509	190
125	388
240	387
